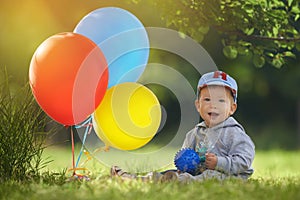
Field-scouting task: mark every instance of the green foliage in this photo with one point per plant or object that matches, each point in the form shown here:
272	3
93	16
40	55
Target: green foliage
230	52
269	29
21	136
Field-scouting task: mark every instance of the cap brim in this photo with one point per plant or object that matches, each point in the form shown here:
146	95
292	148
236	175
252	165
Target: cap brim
220	83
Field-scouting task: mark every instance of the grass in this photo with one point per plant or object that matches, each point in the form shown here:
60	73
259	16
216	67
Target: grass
112	189
267	164
276	177
277	164
21	135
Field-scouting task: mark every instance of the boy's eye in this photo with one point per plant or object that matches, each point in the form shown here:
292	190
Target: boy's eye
222	100
206	99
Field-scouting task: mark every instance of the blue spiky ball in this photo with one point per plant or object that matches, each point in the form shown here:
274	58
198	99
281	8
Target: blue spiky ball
187	160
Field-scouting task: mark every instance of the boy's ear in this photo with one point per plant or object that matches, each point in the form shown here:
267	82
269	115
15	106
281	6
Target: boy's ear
233	108
197	105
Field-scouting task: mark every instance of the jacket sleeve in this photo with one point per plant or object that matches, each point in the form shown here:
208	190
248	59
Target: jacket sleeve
239	156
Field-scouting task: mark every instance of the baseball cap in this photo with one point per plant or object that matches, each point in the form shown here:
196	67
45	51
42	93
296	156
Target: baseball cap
218	78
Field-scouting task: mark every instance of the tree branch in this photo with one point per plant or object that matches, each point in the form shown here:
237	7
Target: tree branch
257	37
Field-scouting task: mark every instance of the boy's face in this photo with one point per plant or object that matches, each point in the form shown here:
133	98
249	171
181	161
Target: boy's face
215	104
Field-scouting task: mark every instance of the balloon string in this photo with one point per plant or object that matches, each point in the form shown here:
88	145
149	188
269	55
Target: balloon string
89	156
88	130
84	123
78	169
73	150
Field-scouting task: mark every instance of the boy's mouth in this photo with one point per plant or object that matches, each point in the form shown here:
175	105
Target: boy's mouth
213	114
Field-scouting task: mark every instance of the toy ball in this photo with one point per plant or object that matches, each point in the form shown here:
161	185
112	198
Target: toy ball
187	160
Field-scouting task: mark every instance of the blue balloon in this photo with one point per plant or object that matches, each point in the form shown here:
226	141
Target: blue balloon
122	39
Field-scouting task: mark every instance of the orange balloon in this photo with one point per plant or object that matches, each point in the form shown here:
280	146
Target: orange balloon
68	76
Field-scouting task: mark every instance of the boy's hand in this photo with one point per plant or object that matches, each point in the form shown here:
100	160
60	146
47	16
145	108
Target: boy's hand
211	160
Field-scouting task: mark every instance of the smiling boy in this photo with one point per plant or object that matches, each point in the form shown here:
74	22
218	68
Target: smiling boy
229	150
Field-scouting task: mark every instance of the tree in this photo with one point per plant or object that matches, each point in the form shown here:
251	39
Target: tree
268	29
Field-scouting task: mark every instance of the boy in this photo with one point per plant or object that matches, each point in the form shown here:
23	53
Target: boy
228	150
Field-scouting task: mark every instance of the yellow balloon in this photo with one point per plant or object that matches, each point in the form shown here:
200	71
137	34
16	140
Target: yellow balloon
128	116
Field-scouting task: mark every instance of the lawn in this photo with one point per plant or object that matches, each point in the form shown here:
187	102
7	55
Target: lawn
277	176
267	164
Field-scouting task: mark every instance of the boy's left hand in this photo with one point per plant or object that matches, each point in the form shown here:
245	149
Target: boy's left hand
211	160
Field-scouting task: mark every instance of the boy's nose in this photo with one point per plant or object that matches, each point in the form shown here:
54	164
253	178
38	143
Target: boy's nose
213	105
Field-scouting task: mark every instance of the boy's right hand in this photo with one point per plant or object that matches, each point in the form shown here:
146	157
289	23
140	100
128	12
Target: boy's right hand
211	160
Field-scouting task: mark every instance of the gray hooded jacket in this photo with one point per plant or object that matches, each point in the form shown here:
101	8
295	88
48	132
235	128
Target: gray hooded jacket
228	140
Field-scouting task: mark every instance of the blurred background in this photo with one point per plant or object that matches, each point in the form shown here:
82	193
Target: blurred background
268	99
